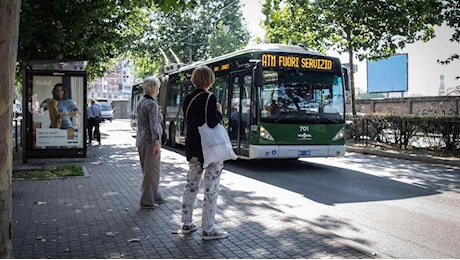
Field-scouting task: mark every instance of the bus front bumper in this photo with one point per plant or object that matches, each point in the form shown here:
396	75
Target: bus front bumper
295	151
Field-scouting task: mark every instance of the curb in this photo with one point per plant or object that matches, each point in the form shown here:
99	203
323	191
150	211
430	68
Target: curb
406	156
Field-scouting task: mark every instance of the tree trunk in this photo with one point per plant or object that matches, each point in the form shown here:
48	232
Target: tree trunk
352	71
9	30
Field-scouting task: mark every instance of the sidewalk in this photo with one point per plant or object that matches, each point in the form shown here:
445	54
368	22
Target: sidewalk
98	216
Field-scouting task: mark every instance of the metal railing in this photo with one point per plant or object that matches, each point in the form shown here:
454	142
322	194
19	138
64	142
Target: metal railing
17	134
406	133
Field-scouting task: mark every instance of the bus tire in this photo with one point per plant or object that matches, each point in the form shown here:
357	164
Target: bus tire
172	135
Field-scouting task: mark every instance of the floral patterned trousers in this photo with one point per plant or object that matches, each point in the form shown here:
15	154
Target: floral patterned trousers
211	192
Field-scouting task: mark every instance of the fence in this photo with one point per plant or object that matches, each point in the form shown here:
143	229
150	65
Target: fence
16	134
427	133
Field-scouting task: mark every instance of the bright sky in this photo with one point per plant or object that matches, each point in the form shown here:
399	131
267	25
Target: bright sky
253	15
424	71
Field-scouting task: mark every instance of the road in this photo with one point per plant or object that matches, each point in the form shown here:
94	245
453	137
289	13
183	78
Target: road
400	208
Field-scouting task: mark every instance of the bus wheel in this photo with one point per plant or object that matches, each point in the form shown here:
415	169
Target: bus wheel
172	135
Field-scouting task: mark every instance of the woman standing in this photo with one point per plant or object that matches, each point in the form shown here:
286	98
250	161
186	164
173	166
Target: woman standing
149	131
194	111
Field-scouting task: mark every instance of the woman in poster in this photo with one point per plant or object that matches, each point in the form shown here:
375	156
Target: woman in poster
60	108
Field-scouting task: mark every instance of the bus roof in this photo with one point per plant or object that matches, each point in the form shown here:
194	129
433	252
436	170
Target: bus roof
280	48
267	47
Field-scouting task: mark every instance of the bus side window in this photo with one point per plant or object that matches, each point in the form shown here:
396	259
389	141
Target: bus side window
220	89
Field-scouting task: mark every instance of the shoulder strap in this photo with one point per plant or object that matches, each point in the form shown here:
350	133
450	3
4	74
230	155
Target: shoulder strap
206	109
191	101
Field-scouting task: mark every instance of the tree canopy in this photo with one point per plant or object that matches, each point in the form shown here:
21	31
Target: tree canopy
96	31
99	31
207	30
370	29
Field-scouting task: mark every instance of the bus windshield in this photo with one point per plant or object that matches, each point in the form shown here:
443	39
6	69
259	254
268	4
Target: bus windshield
290	96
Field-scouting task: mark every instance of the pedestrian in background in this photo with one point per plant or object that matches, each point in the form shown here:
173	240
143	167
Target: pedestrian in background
94	116
194	111
148	138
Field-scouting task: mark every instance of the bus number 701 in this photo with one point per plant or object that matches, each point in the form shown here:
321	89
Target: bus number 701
304	128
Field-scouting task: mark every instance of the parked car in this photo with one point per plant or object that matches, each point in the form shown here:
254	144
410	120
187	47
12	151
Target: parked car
107	110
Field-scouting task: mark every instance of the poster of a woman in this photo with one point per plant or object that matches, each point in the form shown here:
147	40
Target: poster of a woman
61	108
57	119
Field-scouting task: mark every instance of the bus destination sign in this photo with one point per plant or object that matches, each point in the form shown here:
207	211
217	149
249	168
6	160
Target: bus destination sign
275	60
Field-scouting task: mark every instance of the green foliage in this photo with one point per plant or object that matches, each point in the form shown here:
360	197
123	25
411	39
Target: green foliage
407	132
192	34
57	172
363	29
372	29
96	31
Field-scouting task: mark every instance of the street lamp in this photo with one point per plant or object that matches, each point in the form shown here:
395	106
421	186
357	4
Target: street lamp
226	28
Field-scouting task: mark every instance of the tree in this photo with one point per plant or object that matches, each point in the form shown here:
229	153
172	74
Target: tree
9	23
65	42
193	34
69	31
370	29
96	31
278	29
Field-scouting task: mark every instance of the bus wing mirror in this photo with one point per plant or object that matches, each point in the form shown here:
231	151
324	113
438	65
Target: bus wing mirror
346	81
257	74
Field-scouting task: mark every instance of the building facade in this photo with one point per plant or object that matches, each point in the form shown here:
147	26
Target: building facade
117	84
115	87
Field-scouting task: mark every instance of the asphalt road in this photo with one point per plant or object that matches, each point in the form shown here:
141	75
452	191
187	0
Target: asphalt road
401	208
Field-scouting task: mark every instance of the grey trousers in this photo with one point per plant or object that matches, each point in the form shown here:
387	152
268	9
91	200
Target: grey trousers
151	172
211	192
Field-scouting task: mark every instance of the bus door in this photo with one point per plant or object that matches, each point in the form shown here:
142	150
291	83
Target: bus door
240	106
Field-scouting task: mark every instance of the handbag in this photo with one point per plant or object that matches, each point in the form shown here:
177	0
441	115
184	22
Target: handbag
215	142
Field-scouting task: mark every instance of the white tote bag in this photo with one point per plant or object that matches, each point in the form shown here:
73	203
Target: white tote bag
215	142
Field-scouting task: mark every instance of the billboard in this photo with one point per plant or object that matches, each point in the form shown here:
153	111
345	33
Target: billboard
57	111
55	117
388	75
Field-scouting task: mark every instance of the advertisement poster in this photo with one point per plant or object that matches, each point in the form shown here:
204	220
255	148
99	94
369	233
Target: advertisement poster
57	112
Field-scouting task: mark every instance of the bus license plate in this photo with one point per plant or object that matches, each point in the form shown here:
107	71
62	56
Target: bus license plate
304	153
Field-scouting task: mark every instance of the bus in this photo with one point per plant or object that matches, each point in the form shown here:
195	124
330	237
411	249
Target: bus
278	101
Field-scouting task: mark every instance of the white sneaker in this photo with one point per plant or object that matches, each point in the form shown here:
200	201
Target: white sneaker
213	235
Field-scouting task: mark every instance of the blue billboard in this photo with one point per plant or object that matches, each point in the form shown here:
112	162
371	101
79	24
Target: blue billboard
388	75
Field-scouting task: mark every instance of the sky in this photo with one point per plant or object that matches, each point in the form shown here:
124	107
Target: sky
253	16
423	70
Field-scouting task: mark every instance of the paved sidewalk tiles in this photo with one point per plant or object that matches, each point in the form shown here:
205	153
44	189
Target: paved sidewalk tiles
98	216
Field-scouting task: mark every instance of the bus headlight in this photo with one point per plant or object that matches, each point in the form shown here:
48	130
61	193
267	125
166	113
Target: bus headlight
340	134
265	134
